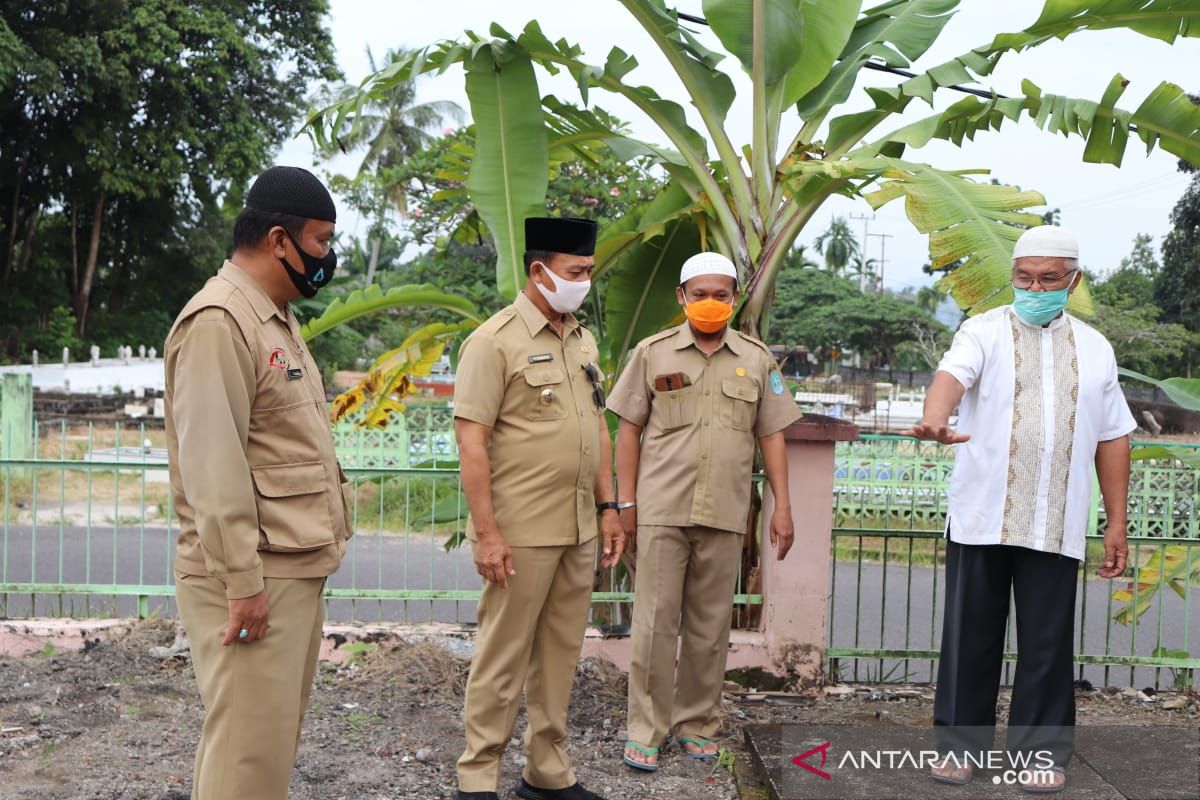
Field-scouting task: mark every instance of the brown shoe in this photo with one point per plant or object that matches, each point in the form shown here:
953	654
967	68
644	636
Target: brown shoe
948	771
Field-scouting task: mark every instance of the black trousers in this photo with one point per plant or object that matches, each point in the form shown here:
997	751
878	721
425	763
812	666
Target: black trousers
979	580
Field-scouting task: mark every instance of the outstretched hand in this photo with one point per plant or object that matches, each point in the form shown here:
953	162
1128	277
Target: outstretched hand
935	433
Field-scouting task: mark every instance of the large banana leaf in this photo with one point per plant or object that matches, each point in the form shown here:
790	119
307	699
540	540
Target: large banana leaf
826	30
1162	452
667	115
373	298
1167	117
573	133
1184	391
641	288
1159	19
381	391
898	32
619	236
781	40
509	172
710	90
977	223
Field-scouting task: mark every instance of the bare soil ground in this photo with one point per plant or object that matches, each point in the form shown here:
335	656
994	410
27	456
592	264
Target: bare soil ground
113	722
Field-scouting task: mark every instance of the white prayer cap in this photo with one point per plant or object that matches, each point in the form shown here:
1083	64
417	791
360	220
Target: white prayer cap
1050	241
707	264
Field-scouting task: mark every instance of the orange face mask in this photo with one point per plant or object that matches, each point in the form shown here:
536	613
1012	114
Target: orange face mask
709	316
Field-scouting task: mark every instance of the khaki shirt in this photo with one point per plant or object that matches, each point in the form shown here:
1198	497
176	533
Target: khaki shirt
517	376
255	481
697	452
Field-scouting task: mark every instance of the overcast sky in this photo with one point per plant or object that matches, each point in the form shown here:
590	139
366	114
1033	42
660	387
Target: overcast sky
1105	206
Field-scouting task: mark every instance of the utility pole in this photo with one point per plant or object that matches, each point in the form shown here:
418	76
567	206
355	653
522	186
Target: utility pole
866	221
883	237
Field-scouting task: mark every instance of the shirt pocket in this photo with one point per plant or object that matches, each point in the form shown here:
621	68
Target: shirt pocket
739	404
293	512
543	389
676	409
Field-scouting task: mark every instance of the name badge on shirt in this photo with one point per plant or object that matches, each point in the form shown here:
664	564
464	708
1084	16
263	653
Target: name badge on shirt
541	358
295	374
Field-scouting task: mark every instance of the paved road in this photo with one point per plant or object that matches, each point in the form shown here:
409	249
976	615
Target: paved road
871	609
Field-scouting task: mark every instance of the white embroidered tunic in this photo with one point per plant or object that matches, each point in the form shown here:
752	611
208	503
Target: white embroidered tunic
1038	402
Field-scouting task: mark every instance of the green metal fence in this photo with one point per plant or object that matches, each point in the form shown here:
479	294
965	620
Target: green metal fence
885	597
87	528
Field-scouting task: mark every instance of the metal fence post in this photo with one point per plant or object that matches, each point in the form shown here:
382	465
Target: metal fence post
16	417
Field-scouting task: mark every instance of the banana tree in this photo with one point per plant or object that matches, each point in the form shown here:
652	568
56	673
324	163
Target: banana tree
803	59
1173	566
381	391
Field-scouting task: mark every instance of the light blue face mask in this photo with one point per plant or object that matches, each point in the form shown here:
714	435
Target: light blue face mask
1038	308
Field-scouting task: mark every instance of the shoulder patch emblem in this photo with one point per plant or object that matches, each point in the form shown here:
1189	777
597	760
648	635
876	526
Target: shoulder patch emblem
776	382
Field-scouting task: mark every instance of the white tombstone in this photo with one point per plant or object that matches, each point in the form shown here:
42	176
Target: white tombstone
95	353
35	358
141	351
66	356
126	354
153	353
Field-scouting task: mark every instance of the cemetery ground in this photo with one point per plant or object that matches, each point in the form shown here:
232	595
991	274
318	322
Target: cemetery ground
115	721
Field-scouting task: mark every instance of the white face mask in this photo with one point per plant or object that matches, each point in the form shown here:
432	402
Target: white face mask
567	296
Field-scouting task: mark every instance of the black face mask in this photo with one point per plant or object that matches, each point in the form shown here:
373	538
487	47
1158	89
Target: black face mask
317	271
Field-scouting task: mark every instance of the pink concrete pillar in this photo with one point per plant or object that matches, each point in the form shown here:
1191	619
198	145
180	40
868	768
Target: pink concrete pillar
796	590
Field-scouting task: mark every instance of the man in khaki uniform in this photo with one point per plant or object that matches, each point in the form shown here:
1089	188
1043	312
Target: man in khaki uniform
536	470
702	394
259	494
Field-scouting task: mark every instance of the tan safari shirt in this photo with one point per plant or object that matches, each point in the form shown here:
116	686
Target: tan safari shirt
698	441
517	376
255	481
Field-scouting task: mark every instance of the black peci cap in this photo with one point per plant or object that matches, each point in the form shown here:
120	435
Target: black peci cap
291	190
571	235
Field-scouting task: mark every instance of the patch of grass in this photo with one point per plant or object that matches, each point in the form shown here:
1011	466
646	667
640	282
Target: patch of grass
424	663
922	554
409	503
356	651
726	761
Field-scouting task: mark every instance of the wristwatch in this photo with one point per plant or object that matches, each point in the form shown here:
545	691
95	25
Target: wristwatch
606	506
623	506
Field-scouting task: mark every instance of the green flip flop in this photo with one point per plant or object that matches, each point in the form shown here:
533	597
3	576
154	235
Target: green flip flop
683	741
646	751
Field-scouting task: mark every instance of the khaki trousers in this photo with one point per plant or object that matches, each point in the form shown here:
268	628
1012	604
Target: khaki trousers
683	591
254	694
529	637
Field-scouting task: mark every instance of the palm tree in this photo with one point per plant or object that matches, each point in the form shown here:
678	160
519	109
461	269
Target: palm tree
798	258
392	126
866	269
929	299
838	245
